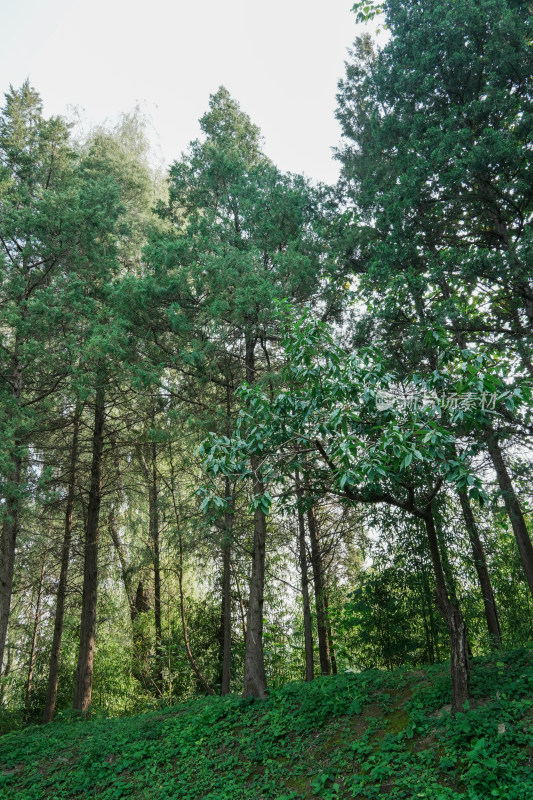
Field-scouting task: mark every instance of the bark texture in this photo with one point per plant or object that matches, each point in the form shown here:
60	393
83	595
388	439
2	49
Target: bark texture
33	649
153	501
460	669
254	664
84	671
10	524
8	542
55	653
480	563
318	580
514	510
225	622
308	624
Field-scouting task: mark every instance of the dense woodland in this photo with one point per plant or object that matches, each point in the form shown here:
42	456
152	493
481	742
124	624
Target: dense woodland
256	429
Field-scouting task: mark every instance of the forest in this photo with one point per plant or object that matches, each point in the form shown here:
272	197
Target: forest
258	430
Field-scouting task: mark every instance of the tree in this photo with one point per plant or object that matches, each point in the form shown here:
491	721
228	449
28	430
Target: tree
436	166
436	153
50	218
111	172
242	236
367	446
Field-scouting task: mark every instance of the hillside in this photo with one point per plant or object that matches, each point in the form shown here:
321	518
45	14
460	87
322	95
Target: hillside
364	735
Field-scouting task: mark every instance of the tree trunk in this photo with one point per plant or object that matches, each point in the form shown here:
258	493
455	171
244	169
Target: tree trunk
225	626
126	571
480	563
31	665
153	500
254	663
84	672
53	674
7	670
445	559
512	505
460	670
8	540
10	525
318	579
308	623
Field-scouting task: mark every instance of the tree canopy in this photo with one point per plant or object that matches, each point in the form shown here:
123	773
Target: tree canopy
256	428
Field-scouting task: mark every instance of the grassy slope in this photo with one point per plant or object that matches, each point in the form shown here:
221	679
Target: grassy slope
369	735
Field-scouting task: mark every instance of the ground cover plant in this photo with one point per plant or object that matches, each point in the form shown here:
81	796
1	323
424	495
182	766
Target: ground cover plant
365	735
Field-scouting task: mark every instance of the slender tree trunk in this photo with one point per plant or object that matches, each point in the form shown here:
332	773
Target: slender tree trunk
10	524
31	665
153	500
7	670
460	669
512	505
142	600
8	540
53	674
505	483
138	599
254	663
447	567
225	609
225	620
84	672
318	579
480	563
126	571
226	595
445	559
192	661
308	623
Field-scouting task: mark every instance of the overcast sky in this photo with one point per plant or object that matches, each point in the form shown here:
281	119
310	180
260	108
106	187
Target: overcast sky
280	59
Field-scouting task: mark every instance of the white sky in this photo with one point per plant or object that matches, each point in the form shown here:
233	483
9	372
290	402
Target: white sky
280	59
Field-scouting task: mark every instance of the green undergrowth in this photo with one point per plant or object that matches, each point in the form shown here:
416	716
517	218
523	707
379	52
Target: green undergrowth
368	735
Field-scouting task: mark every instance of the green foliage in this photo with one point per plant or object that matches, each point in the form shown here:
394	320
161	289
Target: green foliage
348	408
436	166
379	616
366	10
